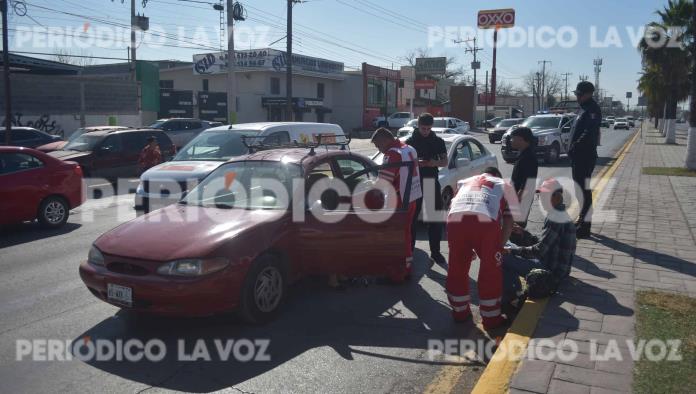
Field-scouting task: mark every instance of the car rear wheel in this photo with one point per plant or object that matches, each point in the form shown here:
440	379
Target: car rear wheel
552	154
263	291
53	212
491	139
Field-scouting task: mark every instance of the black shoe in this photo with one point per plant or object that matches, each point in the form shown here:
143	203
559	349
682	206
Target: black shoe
583	231
439	259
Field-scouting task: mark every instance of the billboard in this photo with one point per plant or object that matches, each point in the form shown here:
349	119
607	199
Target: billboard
262	59
431	65
490	19
425	84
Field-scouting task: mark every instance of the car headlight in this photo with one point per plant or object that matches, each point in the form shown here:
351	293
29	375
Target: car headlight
193	267
139	189
95	257
542	139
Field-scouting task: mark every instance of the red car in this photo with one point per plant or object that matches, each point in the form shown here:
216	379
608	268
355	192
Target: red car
37	186
224	248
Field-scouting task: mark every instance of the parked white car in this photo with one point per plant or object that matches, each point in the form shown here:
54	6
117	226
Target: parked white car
395	120
440	126
466	157
621	123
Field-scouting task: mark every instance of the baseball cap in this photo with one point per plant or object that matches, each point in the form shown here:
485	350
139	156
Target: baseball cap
584	87
550	185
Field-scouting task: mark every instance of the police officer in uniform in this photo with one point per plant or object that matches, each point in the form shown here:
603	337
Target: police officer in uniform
583	150
432	154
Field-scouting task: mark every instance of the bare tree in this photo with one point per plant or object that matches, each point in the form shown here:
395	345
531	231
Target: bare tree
504	88
453	70
80	58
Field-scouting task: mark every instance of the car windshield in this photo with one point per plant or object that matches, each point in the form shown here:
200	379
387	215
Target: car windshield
246	185
439	123
83	143
507	123
621	120
541	122
412	123
76	134
214	146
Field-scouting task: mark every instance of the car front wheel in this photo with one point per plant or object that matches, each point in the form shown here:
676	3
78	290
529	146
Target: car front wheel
263	291
53	212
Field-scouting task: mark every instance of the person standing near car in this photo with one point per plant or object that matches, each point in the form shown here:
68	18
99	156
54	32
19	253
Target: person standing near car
150	155
583	151
432	154
526	167
395	151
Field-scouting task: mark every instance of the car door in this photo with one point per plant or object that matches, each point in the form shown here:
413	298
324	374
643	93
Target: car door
24	184
478	156
107	158
350	239
566	126
133	144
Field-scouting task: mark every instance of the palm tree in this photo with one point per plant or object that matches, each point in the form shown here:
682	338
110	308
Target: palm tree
673	62
691	141
650	85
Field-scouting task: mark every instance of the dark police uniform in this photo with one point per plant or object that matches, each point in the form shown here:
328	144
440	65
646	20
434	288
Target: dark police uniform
431	147
526	167
583	152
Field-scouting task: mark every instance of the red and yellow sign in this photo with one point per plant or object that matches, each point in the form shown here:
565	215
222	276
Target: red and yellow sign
496	19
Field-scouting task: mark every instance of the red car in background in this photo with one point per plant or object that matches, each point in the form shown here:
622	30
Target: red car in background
242	246
37	186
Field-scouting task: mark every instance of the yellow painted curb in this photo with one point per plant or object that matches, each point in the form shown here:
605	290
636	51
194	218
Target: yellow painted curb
496	377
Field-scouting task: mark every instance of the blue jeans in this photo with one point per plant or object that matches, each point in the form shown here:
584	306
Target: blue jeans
513	268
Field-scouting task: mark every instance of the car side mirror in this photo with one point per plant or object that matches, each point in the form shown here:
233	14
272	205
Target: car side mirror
462	162
329	200
104	150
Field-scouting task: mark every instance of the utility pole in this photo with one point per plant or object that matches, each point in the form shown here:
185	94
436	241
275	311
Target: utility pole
583	78
543	82
565	75
475	65
538	88
485	110
132	43
597	69
288	61
231	63
6	69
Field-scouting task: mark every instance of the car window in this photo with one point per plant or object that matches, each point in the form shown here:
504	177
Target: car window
462	151
112	143
15	162
277	138
195	125
134	142
23	135
452	124
476	150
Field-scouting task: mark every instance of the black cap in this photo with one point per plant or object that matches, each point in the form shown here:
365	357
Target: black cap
524	132
584	87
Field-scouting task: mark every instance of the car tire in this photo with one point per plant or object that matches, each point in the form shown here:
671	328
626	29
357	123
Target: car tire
259	303
491	139
552	154
447	196
53	212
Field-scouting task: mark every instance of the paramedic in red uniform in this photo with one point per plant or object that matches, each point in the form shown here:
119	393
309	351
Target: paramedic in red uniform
479	219
395	151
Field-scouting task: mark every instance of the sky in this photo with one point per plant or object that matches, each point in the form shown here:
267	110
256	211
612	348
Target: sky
569	34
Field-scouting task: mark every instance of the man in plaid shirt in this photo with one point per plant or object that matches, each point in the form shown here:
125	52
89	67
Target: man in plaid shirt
554	251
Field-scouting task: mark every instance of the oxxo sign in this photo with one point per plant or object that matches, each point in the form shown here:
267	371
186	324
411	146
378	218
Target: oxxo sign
489	19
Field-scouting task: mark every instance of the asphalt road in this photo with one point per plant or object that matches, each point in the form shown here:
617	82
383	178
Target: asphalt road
364	339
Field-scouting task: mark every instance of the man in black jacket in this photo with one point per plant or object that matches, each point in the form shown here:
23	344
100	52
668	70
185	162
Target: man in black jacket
583	151
432	154
526	167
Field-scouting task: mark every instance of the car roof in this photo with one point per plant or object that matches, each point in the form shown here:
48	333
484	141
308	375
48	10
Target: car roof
91	129
166	119
125	131
260	126
299	156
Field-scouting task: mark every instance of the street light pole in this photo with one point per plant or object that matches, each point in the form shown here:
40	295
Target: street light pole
231	80
6	68
288	62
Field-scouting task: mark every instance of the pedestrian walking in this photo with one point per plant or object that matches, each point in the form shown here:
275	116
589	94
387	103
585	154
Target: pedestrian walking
395	151
479	220
150	155
432	154
583	151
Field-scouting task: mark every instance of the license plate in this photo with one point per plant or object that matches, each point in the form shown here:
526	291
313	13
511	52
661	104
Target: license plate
119	294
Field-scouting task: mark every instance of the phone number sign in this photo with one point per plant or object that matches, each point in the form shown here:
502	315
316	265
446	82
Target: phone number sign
495	19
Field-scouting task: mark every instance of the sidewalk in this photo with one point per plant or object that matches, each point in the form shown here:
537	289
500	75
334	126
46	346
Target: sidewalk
650	245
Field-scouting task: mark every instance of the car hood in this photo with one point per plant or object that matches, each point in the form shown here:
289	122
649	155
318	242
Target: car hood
50	147
181	170
167	234
536	132
69	154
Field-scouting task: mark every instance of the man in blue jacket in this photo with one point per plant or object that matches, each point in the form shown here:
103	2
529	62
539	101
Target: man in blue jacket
583	151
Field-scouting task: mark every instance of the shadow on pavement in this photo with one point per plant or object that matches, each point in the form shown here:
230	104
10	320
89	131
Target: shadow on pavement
649	256
591	268
18	234
314	317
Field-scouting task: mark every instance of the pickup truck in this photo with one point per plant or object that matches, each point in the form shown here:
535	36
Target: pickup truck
552	133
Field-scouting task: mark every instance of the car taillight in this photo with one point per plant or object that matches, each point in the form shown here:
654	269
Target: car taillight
78	170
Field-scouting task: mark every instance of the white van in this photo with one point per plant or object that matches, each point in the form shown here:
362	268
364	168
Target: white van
164	184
